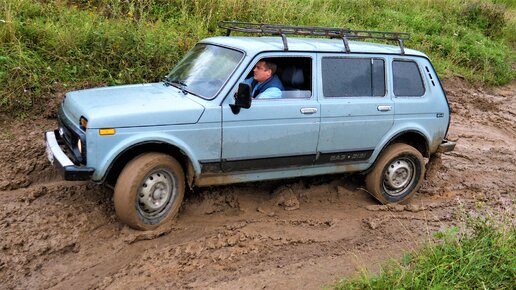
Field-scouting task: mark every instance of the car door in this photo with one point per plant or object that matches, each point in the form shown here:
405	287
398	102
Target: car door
272	133
356	108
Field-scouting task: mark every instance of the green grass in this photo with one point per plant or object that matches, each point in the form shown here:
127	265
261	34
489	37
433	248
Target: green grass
483	259
50	46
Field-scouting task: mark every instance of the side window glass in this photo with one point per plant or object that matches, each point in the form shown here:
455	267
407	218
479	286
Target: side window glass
294	73
353	77
407	79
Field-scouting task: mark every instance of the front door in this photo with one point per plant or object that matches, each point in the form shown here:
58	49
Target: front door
273	133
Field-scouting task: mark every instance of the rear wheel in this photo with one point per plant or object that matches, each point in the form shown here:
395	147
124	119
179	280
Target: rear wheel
397	175
149	191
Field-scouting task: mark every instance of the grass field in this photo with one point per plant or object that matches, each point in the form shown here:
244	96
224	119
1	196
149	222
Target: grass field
484	258
57	45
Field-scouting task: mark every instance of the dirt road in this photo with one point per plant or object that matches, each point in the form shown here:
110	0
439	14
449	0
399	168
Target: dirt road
289	234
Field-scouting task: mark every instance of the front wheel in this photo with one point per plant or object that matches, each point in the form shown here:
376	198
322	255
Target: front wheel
149	191
397	174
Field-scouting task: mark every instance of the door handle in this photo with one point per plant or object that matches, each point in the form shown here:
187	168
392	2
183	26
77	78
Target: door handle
308	111
384	108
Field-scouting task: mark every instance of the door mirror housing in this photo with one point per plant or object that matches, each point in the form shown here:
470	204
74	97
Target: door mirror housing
243	98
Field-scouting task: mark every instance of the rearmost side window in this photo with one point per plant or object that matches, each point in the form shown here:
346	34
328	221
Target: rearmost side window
353	77
407	79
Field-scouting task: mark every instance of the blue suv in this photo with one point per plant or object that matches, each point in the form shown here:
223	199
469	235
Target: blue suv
345	106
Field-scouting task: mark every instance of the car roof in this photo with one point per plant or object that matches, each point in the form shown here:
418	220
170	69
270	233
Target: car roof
255	45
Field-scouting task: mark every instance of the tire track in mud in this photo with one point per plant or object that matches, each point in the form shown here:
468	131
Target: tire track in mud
242	248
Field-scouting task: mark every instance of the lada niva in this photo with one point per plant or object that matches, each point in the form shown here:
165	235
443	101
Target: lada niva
345	106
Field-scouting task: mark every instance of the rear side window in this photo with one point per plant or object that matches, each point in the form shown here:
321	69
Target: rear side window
407	79
353	77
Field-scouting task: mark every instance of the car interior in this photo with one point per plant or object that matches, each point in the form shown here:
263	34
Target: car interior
296	75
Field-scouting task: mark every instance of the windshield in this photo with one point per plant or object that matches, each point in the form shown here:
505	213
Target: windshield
204	69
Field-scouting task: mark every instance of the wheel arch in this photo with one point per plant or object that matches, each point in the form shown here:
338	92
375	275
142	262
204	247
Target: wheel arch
413	138
115	168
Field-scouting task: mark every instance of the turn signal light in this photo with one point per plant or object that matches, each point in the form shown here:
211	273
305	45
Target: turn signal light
83	122
107	131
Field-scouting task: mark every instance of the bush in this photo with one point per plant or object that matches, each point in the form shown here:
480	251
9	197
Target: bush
49	46
488	17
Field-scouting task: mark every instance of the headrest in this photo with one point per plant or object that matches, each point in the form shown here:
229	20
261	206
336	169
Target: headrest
292	77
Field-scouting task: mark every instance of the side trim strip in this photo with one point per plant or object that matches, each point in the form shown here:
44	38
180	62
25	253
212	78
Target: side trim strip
211	166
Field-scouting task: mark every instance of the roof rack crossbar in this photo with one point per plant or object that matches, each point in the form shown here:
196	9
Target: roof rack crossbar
344	33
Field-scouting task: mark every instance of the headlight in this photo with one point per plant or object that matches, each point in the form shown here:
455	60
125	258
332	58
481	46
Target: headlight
79	145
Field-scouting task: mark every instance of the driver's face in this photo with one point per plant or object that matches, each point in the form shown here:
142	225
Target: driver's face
261	72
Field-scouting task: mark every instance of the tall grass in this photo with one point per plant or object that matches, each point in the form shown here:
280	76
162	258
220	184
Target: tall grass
483	259
49	46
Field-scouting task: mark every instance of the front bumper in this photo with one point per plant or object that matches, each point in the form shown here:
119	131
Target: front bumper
63	164
446	146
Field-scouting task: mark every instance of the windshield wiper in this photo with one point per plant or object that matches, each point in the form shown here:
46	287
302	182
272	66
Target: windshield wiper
176	83
166	81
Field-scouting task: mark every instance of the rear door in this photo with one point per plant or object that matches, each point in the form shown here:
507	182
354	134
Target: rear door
356	108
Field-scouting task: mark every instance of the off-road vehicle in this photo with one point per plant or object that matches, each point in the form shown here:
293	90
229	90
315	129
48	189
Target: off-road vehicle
348	106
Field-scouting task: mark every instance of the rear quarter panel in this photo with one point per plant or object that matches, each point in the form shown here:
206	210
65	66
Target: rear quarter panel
428	114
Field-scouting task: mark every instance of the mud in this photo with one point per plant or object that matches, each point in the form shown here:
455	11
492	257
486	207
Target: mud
288	234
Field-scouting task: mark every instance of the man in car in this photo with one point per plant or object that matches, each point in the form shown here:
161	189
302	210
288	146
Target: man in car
265	84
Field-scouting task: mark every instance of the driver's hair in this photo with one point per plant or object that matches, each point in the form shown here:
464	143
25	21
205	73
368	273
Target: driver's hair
270	65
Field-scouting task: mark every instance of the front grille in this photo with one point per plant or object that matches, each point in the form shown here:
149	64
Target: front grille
70	136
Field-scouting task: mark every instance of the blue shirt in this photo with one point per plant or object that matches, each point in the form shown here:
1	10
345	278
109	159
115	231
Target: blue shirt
269	93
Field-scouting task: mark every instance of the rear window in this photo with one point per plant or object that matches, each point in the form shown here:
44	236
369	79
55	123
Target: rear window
407	79
353	77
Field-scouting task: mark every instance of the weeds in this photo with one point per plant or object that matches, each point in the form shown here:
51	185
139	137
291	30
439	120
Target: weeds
52	45
483	257
488	17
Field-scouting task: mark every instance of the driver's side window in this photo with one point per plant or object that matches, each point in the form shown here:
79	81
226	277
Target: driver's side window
281	78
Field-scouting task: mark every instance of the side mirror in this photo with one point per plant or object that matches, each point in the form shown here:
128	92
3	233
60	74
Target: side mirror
243	98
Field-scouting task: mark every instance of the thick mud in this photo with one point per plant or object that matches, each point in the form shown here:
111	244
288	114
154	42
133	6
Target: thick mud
289	234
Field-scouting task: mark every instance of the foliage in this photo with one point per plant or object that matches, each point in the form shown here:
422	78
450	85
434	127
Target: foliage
50	46
482	259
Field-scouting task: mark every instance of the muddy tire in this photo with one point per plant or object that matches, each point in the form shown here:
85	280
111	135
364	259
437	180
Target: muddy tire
397	174
149	191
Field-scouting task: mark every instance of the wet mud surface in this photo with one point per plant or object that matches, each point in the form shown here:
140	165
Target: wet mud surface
287	234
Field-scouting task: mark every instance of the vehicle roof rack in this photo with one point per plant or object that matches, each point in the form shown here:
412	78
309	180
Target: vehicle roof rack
344	33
